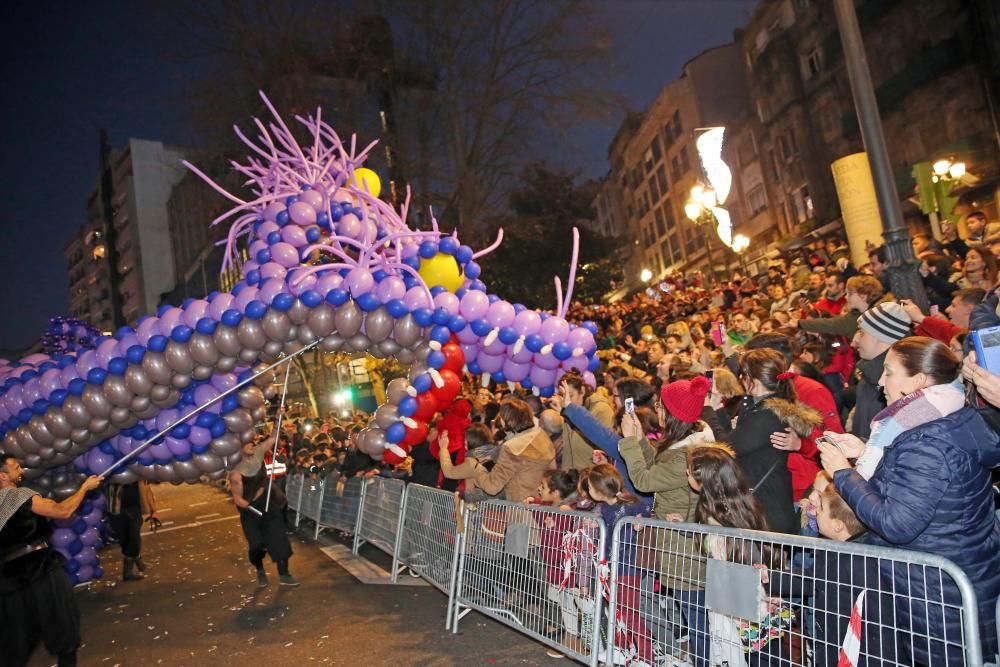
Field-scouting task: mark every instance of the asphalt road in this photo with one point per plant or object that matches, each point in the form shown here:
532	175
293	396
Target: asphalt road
199	605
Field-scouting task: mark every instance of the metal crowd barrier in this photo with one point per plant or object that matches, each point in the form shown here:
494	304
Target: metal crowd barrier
293	492
710	595
429	536
380	515
536	570
341	503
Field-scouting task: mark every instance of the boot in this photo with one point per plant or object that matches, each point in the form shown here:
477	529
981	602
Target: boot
128	573
140	565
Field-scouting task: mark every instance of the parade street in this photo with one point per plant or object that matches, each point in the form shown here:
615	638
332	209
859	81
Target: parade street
199	605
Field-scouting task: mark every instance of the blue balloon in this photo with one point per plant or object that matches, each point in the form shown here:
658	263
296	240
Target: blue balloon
253	277
423	316
157	343
457	323
441	334
395	433
25	414
135	354
499	377
534	343
182	333
72	565
423	383
140	432
98	572
508	336
282	218
477	285
79	526
562	351
590	326
96	375
474	367
412	262
205	419
311	298
107	448
76	546
58	397
283	302
448	245
368	302
547	392
481	327
162	310
436	359
379	275
463	254
231	317
407	406
396	308
472	270
256	309
428	249
519	308
117	366
263	256
595	364
206	326
230	403
441	316
273	237
180	431
201	449
39	407
218	429
337	296
322	219
336	212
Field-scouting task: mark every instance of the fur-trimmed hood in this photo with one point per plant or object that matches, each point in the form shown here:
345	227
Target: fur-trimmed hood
800	417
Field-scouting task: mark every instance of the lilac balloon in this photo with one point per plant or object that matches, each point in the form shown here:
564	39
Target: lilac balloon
448	301
65	376
546	361
178	447
86	361
330	281
590	380
265	229
391	287
159	451
62	537
542	377
526	323
204	393
312	197
127	341
194	312
224	381
50	381
32	391
416	297
94	517
199	436
250	265
165	419
87	555
270	289
85	573
467	336
99	461
522	357
580	363
300	287
554	329
246	295
474	305
272	210
220	304
293	235
285	254
90	536
582	340
256	247
470	352
349	226
302	213
490	363
500	314
359	281
106	351
169	320
515	371
273	269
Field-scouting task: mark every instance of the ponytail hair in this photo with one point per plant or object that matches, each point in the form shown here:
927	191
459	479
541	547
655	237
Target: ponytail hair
606	480
771	369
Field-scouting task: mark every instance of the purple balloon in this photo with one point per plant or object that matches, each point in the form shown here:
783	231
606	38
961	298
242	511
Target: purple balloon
62	537
270	289
204	393
293	235
416	297
90	536
146	329
194	312
303	285
312	197
85	573
391	287
220	304
467	336
359	281
554	329
330	281
301	213
580	339
200	437
500	314
94	517
542	377
273	269
349	226
447	301
474	305
590	380
165	419
224	381
99	461
546	361
169	320
272	211
522	357
106	351
178	447
284	254
470	352
526	323
515	371
246	295
490	363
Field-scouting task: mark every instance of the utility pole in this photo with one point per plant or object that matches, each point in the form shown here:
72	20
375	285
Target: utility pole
904	275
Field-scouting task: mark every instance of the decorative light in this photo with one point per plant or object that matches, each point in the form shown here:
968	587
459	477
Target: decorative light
957	170
709	145
696	191
941	167
645	275
740	242
692	209
725	226
708	198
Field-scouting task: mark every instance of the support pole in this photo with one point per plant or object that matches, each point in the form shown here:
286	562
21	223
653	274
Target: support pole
277	437
904	277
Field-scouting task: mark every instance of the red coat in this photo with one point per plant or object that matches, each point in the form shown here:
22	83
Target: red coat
832	307
804	464
939	328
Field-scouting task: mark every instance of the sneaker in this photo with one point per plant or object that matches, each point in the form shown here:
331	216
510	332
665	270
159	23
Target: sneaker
261	579
288	580
552	653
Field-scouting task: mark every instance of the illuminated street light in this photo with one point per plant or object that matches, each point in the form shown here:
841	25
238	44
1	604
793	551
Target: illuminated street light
646	275
692	209
740	243
708	198
941	167
957	170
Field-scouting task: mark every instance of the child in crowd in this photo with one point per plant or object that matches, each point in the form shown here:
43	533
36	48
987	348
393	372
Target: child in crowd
604	485
558	489
810	504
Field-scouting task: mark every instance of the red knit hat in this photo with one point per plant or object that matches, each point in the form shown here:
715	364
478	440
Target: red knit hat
685	399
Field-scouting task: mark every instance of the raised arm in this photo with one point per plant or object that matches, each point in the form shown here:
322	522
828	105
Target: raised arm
64	509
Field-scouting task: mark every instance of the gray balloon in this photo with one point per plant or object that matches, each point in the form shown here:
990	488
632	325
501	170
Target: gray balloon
405	357
225	364
225	445
81	436
207	463
186	470
63	492
98	425
125	477
97	405
159	394
332	343
348	319
396	391
218	474
276	325
299	312
304	334
273	348
249	356
226	341
140	403
250	397
247	436
181	381
291	347
41	435
389	347
320	320
406	331
24	439
156	369
202	373
238	420
378	325
57	423
122	418
259	413
359	343
46	453
169	400
117	391
148	412
233	460
178	357
386	416
202	349
75	411
62	445
250	334
137	382
375	351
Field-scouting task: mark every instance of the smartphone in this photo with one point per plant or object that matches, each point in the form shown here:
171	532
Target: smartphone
709	374
718	331
935	311
987	343
630	406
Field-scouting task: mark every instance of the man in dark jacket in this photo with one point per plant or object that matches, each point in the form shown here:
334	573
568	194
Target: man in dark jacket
878	328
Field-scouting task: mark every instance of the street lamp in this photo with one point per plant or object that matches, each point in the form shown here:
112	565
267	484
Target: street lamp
945	173
740	244
645	275
698	209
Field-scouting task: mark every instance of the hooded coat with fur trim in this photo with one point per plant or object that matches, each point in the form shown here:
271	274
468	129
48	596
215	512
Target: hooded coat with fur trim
751	440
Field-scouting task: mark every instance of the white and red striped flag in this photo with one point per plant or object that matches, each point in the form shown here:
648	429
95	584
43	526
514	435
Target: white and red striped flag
851	649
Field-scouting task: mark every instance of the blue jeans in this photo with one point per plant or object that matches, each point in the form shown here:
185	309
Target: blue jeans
696	615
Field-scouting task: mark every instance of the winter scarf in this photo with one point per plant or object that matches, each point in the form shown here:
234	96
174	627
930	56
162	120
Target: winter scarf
911	411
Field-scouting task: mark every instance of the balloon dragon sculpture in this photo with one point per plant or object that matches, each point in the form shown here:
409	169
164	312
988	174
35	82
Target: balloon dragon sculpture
328	264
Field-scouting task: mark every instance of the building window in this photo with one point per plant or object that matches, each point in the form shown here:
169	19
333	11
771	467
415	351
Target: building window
760	111
746	152
661	227
648	161
668	216
661	178
675	169
654	149
685	161
757	200
803	204
803	5
654	189
665	252
812	64
676	122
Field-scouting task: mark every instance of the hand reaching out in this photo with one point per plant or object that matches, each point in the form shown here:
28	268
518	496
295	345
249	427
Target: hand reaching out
787	440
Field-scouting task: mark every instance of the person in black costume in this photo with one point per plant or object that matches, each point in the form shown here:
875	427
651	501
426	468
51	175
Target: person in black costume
36	597
127	505
263	523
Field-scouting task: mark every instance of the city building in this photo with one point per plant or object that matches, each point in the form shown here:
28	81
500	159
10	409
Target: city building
130	206
608	217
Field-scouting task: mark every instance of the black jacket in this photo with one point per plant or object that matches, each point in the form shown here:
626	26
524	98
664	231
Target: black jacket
870	397
751	439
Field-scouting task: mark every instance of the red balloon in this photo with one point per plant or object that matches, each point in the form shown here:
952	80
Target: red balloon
427	405
454	358
392	458
447	392
414	436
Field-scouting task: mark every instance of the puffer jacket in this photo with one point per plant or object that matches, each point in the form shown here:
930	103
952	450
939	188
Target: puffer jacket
931	492
765	467
524	457
665	474
577	452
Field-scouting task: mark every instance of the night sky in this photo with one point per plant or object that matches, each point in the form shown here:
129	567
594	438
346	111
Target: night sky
71	68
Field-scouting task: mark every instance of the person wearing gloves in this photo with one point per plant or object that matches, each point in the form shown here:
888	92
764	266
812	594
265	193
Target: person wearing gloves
878	328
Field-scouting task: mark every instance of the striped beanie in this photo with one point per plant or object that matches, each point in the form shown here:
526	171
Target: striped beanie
887	322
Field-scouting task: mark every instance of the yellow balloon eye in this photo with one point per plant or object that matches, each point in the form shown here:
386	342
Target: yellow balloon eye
443	270
365	178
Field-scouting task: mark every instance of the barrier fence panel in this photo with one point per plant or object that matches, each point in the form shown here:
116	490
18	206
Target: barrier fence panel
293	491
341	503
312	498
706	595
429	535
535	569
380	514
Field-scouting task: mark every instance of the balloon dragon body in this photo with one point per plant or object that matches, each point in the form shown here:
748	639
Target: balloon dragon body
326	264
